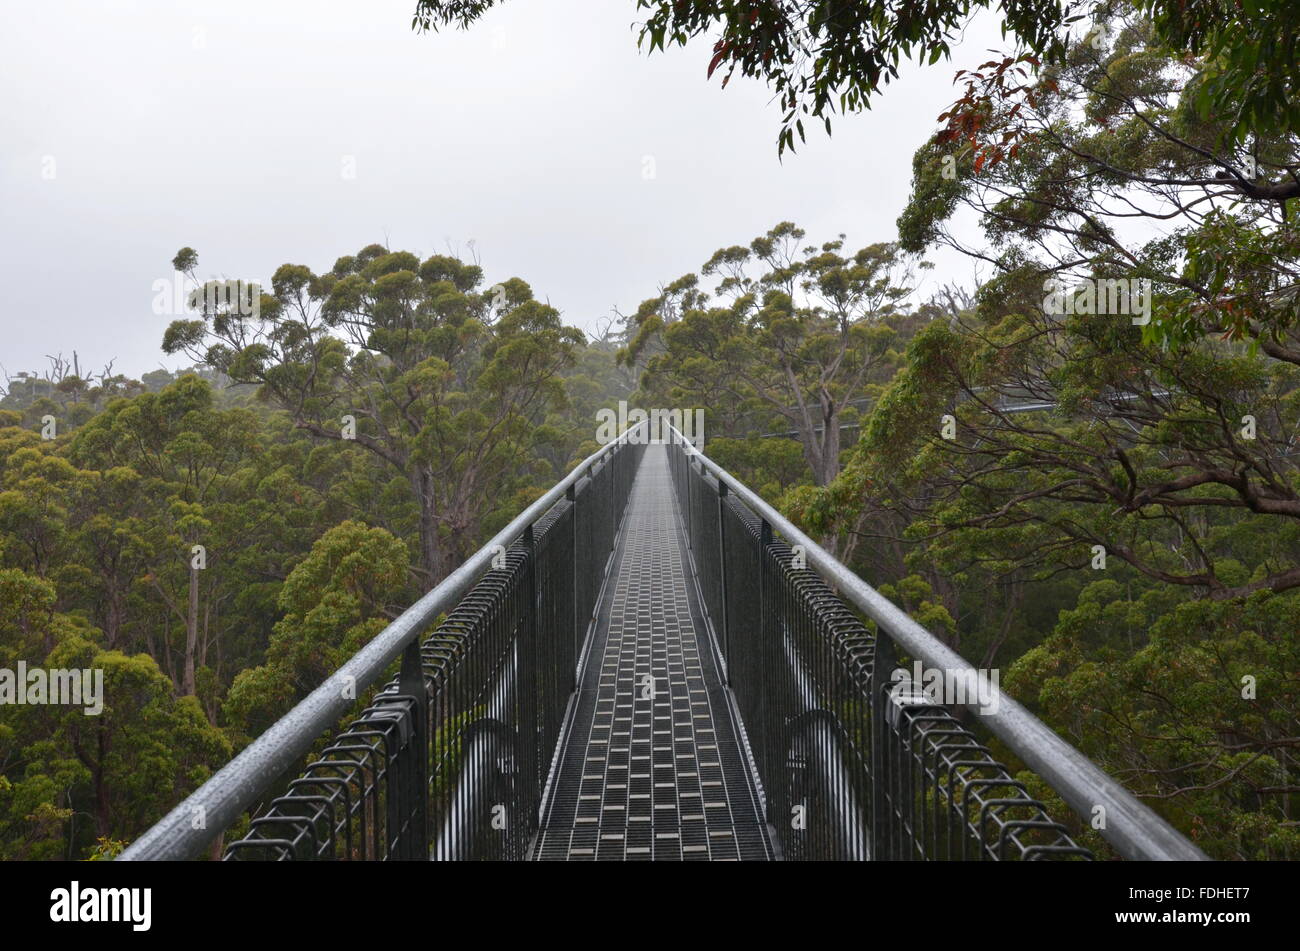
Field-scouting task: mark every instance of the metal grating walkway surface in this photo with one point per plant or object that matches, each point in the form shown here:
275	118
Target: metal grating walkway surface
651	767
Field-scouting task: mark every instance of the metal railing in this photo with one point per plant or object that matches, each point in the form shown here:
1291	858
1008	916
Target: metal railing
449	759
857	760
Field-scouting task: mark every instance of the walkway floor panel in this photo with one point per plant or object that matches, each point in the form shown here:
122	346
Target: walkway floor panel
651	766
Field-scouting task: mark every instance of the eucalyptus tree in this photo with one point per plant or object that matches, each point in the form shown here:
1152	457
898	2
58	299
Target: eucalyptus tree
413	361
196	468
141	751
1147	286
333	603
1111	424
793	332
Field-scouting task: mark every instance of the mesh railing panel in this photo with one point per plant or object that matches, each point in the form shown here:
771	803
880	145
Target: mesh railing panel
449	760
853	764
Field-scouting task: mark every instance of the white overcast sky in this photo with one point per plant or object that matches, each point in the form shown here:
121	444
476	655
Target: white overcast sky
132	128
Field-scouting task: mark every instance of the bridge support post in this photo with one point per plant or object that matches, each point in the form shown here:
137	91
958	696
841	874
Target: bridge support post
883	661
778	718
530	726
690	507
410	682
572	495
723	625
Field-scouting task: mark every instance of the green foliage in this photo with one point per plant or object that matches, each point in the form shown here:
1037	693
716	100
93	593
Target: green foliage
1171	662
1108	506
308	543
123	767
410	361
788	340
768	466
1250	63
106	849
333	603
1199	717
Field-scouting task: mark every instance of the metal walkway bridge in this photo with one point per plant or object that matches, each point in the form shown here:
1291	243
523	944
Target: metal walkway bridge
650	663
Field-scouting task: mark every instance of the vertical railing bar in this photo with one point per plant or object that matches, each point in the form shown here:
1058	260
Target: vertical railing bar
571	493
411	683
765	538
528	684
723	622
882	661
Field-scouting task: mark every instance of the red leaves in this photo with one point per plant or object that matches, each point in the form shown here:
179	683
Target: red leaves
720	50
986	118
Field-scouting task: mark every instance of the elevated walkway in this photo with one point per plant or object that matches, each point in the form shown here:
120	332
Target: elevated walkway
651	765
661	667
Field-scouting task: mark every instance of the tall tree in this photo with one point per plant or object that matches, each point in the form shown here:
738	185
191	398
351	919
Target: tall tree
796	331
338	598
409	360
1139	337
194	464
123	766
1120	404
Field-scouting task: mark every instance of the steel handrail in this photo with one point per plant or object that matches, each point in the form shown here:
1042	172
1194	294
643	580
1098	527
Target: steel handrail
1133	828
192	826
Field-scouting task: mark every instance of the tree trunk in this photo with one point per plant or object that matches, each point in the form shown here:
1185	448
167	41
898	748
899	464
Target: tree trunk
822	450
103	813
191	634
430	543
113	617
830	447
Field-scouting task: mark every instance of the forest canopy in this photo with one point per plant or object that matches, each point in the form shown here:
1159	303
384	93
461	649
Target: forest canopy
1080	470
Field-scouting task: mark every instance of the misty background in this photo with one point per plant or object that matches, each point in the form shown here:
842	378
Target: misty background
541	141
